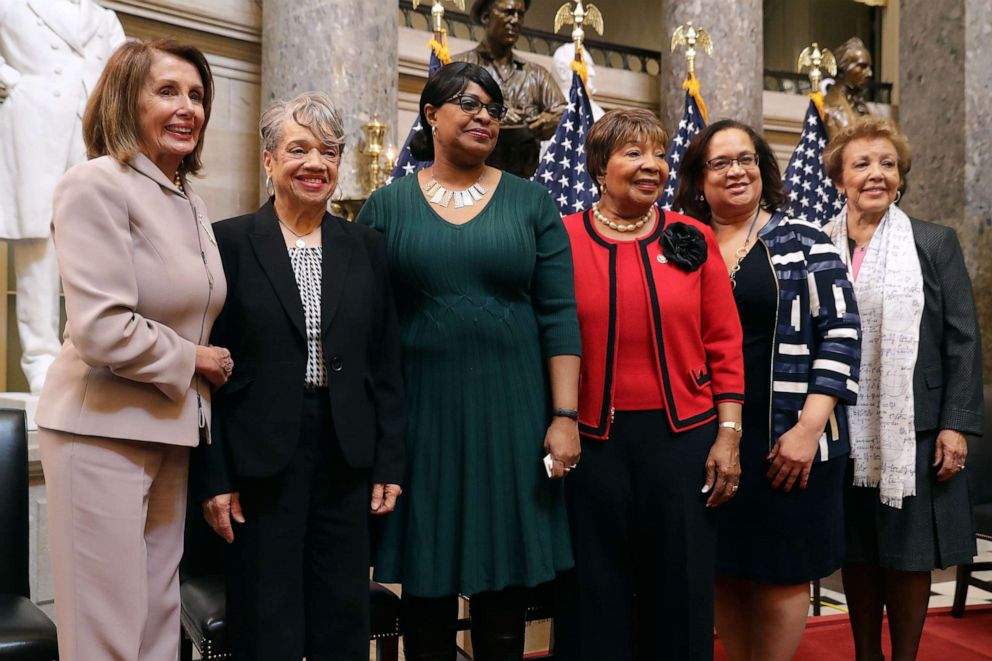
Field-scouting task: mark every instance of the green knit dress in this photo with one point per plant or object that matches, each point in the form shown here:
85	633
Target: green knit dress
482	307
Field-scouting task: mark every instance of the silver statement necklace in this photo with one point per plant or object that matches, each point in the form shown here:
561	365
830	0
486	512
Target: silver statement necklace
441	196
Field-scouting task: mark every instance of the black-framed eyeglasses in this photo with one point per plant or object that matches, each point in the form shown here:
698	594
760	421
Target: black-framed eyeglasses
721	163
471	105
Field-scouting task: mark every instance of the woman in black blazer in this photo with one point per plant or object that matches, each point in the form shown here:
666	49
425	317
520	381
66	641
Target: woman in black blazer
311	422
907	508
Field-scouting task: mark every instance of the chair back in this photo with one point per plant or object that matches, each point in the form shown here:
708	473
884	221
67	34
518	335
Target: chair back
14	503
980	457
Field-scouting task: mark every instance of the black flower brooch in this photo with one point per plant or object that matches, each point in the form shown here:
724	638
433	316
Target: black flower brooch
684	246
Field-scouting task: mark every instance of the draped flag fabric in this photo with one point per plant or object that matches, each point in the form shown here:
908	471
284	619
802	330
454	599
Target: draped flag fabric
563	168
405	162
812	195
692	122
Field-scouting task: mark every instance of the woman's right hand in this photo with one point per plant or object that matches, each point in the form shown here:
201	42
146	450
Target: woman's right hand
214	364
219	510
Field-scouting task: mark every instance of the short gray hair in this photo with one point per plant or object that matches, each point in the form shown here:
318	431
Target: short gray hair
312	110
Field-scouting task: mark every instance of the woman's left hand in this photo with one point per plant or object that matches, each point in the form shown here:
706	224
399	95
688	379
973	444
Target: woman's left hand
792	456
951	451
723	467
384	498
562	443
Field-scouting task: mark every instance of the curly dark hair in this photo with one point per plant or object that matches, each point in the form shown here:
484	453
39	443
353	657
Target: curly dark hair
689	195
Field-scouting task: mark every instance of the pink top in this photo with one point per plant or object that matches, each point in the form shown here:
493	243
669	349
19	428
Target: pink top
857	257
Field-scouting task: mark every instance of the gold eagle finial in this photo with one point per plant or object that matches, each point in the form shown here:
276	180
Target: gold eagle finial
816	60
691	37
582	15
437	12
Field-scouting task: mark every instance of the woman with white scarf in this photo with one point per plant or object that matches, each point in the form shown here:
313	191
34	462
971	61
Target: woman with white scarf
907	508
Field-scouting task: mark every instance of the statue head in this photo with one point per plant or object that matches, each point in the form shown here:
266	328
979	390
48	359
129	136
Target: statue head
502	20
853	64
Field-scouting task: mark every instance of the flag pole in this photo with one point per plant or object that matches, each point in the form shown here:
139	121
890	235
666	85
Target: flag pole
439	44
582	14
689	37
814	60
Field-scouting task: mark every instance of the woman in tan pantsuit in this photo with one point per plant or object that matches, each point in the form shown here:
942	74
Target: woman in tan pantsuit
125	398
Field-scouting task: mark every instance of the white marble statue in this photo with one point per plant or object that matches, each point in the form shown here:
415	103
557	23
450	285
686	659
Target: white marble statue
562	71
51	54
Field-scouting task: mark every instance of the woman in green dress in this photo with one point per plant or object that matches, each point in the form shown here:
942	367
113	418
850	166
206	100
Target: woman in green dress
483	276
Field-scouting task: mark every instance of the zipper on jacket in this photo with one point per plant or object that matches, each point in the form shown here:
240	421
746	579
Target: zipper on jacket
201	416
771	392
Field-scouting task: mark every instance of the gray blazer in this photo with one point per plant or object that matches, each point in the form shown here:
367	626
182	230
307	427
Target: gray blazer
143	285
947	382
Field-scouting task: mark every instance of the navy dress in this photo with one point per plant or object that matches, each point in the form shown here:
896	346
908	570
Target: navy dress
767	535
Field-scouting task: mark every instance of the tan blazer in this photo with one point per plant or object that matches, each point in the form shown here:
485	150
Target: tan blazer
139	297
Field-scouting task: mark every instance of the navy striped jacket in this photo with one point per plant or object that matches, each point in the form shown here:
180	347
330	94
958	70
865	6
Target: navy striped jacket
817	344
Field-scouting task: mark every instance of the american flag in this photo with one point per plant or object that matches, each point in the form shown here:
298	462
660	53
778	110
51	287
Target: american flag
692	122
405	162
563	168
812	195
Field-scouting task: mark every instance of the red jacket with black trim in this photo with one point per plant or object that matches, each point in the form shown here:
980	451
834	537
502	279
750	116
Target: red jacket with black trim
696	330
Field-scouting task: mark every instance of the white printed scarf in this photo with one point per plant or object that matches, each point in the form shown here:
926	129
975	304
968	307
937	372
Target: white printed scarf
889	290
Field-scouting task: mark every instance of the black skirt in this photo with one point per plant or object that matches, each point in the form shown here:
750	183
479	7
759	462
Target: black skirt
934	528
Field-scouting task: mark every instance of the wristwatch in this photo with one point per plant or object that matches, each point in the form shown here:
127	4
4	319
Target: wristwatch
730	424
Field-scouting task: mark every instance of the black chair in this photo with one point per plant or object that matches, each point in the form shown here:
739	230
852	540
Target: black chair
540	608
980	482
26	633
202	594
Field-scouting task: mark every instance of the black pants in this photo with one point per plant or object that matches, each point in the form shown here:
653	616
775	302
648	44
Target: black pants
640	525
297	573
497	622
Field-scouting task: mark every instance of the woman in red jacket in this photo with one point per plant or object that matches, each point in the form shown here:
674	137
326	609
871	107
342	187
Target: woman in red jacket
660	396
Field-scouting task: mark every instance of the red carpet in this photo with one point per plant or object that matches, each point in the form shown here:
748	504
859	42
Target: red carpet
828	638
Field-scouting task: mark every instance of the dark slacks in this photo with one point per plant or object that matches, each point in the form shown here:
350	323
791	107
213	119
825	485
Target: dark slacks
297	573
640	525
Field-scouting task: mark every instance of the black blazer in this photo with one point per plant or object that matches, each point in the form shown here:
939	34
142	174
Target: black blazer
256	415
947	381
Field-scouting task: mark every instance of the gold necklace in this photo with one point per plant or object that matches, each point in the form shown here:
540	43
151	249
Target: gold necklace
300	243
623	227
741	252
442	196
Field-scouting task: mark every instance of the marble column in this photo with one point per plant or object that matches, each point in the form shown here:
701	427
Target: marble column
945	79
344	48
732	77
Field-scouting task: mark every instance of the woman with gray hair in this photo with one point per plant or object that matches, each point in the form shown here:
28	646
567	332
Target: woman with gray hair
308	433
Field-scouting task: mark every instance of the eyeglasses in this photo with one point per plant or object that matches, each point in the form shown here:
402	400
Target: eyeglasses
471	105
721	163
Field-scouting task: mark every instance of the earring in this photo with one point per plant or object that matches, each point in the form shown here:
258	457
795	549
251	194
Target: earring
702	198
269	188
433	129
898	197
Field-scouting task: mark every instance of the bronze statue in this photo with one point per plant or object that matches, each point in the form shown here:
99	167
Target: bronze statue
843	104
534	102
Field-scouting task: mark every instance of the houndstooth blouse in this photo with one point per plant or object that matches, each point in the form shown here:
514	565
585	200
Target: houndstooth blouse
307	269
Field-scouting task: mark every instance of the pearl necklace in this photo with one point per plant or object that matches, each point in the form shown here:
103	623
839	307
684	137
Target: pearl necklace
623	227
